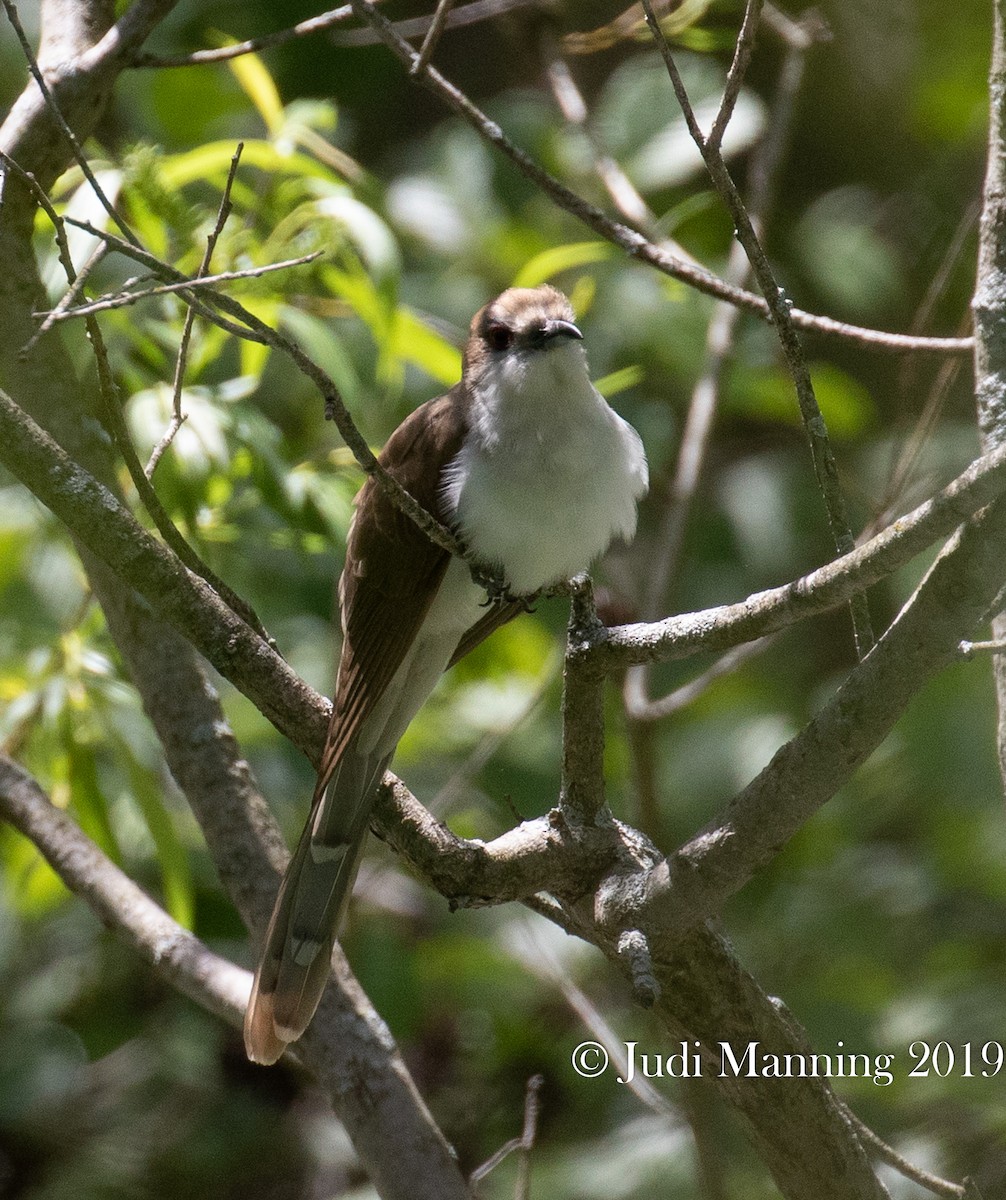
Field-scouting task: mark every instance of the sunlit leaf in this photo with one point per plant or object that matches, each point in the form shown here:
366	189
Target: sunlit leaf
256	82
556	259
619	381
172	854
417	343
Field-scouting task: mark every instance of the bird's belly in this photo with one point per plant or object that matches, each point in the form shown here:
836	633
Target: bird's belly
542	519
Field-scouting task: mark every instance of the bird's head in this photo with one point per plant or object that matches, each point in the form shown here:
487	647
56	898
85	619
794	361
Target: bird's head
525	334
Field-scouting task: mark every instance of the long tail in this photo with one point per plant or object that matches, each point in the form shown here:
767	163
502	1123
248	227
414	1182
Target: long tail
296	959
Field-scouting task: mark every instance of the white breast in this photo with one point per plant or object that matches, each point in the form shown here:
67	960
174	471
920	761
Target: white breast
549	473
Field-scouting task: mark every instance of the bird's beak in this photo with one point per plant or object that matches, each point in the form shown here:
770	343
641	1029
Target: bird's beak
557	328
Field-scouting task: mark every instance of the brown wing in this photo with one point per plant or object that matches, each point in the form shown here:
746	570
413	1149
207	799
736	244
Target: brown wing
392	569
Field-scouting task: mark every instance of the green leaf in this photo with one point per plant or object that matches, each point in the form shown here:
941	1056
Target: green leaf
172	854
257	84
619	381
89	804
556	259
414	342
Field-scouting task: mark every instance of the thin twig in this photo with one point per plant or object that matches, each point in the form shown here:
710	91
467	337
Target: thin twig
932	1183
75	146
120	435
536	958
524	1143
766	612
437	26
491	742
177	418
335	408
822	455
648	711
123	299
69	296
616	183
223	53
631	240
970	649
705	396
743	50
417	27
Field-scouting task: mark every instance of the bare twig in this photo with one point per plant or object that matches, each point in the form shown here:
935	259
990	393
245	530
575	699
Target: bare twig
641	708
317	24
524	1143
335	408
970	649
616	183
825	467
437	26
932	1183
72	292
417	27
177	417
536	958
705	395
491	742
743	50
123	299
630	240
117	427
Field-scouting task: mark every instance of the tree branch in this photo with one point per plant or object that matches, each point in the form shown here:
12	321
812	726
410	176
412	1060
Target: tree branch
629	240
989	310
825	467
173	952
101	523
693	883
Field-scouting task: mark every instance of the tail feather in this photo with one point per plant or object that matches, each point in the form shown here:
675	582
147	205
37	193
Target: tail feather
296	959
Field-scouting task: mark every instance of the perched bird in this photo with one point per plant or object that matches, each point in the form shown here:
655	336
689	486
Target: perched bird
526	461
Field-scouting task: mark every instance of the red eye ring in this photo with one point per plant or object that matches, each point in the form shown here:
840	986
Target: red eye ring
499	336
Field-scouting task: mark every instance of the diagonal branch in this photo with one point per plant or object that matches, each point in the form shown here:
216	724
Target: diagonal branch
174	952
825	467
629	240
100	522
692	884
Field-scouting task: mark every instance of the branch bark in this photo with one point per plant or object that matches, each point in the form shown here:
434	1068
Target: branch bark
989	310
350	1049
175	953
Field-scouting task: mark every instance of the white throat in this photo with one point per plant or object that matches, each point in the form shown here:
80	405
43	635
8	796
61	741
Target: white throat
548	473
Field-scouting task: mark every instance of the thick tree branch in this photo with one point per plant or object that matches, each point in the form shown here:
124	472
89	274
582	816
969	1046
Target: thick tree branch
101	523
175	953
693	883
989	310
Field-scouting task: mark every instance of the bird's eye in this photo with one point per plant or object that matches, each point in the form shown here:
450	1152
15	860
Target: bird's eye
499	336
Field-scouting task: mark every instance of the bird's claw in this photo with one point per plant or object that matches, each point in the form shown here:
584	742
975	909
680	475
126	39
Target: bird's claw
497	588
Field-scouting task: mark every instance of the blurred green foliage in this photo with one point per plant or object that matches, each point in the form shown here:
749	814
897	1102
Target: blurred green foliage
883	922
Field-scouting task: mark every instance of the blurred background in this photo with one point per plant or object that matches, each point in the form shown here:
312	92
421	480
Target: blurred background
882	923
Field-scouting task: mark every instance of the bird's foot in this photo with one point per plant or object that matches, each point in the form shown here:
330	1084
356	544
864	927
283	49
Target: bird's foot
497	589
